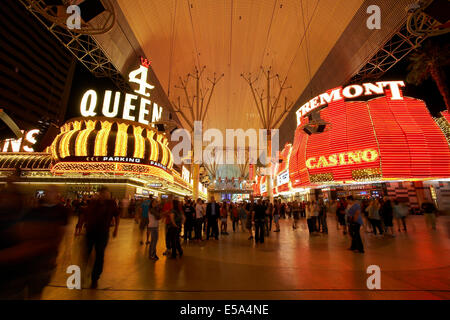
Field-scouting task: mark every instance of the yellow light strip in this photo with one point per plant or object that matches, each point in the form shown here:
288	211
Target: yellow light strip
101	140
121	140
64	143
81	141
139	142
154	145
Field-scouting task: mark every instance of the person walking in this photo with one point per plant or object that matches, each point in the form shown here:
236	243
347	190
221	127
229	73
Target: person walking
212	215
166	210
199	217
387	212
341	211
429	211
323	217
235	216
153	227
295	213
259	213
276	215
242	216
176	221
99	215
373	214
268	219
143	223
355	222
400	213
224	218
309	217
189	212
249	212
315	215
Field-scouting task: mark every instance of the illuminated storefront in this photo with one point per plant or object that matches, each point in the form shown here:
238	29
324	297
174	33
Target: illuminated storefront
120	149
387	139
387	145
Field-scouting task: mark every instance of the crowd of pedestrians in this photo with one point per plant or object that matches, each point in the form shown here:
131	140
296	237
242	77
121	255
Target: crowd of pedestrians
193	221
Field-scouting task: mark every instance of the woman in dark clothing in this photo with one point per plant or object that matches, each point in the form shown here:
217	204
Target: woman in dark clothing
387	212
176	221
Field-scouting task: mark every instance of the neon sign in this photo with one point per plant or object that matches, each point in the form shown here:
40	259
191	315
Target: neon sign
20	145
350	92
342	159
142	114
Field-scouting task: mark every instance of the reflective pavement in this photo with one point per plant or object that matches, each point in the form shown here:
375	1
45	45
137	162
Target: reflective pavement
289	265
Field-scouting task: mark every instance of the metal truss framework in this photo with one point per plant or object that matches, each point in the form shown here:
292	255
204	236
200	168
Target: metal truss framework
395	49
84	48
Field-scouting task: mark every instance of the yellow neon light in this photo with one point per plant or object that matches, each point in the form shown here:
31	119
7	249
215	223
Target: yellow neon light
101	141
64	143
121	140
154	152
81	141
139	142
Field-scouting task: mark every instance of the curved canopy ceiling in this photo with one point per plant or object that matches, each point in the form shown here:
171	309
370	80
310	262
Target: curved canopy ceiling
232	37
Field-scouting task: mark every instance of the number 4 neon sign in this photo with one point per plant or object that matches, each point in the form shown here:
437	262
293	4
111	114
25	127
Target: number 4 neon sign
139	76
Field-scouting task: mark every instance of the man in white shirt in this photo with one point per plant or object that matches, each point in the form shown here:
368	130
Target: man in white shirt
199	217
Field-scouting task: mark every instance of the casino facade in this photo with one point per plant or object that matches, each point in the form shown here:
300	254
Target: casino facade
128	157
367	148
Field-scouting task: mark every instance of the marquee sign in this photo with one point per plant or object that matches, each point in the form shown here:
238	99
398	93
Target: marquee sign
342	159
350	92
283	178
389	137
134	107
20	145
114	159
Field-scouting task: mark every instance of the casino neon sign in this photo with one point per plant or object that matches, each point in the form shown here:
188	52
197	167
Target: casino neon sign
342	159
350	92
88	106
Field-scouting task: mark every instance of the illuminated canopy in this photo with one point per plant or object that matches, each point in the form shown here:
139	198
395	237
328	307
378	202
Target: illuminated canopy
379	139
111	145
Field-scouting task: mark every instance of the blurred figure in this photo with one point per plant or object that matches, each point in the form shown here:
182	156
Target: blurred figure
199	218
259	212
323	226
153	227
249	207
355	222
176	221
235	216
295	213
429	211
144	210
242	216
373	213
387	213
166	210
29	244
224	218
212	215
189	213
100	213
400	213
276	215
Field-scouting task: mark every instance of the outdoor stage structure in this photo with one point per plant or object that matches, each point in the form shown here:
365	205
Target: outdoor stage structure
385	145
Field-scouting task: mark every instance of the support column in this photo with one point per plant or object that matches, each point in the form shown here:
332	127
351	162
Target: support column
269	167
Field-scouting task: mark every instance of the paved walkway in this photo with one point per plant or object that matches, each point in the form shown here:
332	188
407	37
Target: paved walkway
289	265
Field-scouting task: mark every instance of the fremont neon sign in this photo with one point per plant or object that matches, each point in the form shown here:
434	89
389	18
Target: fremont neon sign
342	159
142	115
350	92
